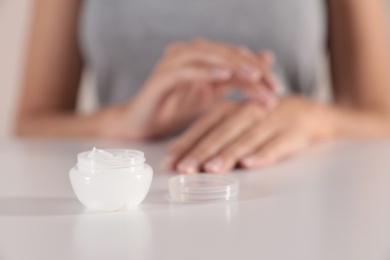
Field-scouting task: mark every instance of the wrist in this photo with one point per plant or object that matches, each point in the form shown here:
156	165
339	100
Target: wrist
109	125
117	122
326	121
353	123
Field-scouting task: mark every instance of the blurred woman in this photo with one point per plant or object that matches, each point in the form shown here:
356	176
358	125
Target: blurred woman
262	48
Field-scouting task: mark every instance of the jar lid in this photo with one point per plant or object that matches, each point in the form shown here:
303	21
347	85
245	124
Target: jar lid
203	188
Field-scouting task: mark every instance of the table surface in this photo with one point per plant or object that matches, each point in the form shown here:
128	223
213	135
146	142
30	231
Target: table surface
330	202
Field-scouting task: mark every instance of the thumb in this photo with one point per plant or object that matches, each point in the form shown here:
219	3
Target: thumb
267	56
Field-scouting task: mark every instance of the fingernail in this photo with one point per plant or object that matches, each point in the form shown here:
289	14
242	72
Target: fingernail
188	165
250	73
214	165
221	73
248	162
168	161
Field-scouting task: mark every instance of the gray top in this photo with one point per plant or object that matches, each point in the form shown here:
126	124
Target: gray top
123	39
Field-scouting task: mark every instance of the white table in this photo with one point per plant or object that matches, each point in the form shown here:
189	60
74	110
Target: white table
331	202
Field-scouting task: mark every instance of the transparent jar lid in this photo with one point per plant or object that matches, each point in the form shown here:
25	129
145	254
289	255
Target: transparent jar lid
203	188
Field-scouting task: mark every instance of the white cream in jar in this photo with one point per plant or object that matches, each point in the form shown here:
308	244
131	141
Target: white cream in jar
111	179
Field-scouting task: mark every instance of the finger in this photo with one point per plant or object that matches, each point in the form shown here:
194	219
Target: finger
221	49
249	68
201	52
197	56
269	79
262	94
218	56
215	91
220	90
220	136
245	63
273	83
276	149
253	61
208	94
182	144
189	74
259	92
267	57
246	144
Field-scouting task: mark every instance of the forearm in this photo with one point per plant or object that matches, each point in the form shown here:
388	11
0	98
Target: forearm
359	50
342	122
114	122
61	125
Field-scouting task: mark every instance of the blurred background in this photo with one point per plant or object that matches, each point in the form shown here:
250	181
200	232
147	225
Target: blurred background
14	22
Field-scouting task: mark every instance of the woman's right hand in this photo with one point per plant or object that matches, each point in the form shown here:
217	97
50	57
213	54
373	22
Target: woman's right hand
189	78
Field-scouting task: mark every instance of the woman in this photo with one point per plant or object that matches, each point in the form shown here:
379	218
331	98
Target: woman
122	40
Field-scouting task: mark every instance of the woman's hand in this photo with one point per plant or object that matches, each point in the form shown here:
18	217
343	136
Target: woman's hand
248	135
189	78
250	72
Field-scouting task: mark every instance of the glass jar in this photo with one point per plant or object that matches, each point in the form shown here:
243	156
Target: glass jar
112	179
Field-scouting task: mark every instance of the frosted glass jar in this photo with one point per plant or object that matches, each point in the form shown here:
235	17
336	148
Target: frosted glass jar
112	179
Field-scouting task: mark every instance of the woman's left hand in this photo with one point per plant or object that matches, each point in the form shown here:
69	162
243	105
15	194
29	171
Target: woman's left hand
248	135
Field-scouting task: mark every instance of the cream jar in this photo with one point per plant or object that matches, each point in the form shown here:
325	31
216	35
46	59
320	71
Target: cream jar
112	179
